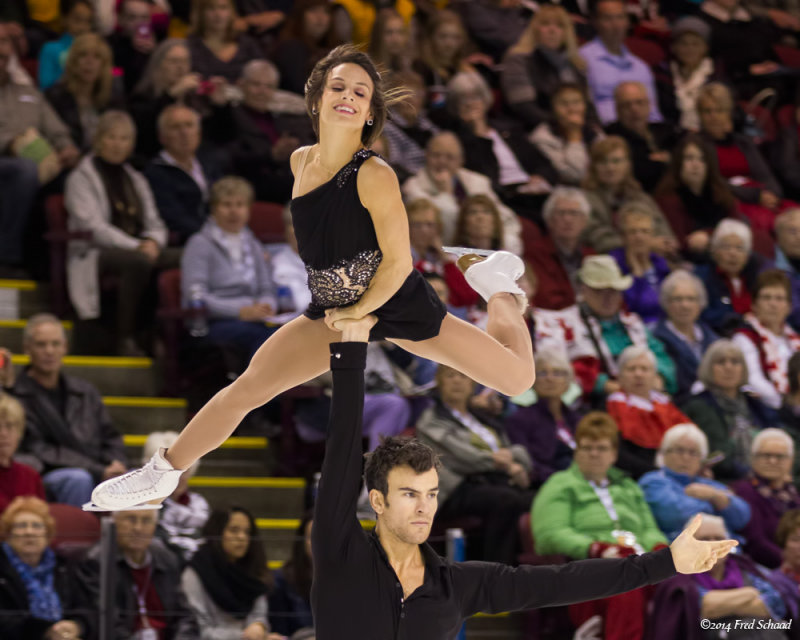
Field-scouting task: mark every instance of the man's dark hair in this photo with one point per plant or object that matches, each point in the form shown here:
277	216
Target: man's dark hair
397	452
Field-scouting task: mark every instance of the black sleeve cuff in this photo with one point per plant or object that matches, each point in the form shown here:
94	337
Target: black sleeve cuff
348	355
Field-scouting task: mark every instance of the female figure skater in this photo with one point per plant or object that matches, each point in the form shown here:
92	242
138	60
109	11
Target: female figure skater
352	234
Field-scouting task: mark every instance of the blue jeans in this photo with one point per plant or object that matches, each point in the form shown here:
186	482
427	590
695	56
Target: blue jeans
19	183
70	485
247	336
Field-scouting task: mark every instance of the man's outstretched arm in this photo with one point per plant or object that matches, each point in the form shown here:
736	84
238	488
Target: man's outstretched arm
335	519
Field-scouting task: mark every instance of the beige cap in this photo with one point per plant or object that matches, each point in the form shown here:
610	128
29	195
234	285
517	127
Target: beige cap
602	272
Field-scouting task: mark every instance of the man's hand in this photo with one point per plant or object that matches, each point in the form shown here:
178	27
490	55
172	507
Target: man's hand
664	245
502	459
660	156
334	316
64	630
149	247
144	43
219	91
254	631
519	475
283	148
69	156
611	386
762	68
257	312
488	401
698	241
189	82
691	555
768	199
116	468
442	180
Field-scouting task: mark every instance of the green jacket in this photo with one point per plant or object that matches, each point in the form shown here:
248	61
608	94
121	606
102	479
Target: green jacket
567	516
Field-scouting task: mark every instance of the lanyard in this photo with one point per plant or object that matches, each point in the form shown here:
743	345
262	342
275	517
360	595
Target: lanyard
604	495
141	595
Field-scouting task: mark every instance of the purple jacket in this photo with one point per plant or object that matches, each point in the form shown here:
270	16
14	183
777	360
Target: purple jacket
760	530
642	297
535	429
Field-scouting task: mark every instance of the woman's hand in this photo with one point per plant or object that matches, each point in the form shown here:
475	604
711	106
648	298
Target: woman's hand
255	631
768	199
519	475
189	82
219	91
149	248
332	316
698	241
257	312
64	630
7	373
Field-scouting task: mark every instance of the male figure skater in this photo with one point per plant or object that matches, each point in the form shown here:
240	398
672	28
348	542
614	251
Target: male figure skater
389	584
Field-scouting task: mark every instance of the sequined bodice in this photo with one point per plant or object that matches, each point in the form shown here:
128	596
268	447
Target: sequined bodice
336	238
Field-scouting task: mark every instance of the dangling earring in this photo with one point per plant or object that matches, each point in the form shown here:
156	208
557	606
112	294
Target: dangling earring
369	122
314	110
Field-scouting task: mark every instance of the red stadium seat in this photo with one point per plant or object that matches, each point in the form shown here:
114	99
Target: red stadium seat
788	55
76	530
651	52
266	221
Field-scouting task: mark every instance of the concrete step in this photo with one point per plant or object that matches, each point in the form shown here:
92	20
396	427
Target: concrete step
113	376
264	497
238	455
22	298
141	415
11	333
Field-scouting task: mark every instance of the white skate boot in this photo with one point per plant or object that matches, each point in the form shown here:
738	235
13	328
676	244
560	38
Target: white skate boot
141	489
491	272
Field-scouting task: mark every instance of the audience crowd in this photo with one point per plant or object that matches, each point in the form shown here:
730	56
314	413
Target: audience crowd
642	158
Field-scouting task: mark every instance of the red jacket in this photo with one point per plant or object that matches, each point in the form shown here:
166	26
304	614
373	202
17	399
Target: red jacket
554	289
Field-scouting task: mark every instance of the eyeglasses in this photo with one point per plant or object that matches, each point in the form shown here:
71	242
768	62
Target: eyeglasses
572	213
766	455
682	451
34	526
681	299
732	247
594	448
768	297
552	373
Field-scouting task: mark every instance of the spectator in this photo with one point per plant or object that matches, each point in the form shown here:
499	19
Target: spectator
731	24
694	196
593	510
218	52
678	490
730	276
724	409
288	269
688	69
108	197
520	173
557	255
735	587
181	174
635	257
290	598
609	62
390	42
479	224
787	256
650	143
133	42
223	264
307	35
147	573
227	580
786	152
767	341
482	473
442	54
770	492
409	129
642	413
543	59
260	141
68	430
446	183
788	539
740	161
184	513
425	228
609	184
86	88
16	479
37	589
53	55
494	25
789	414
547	428
262	19
354	19
684	336
597	329
168	79
37	122
565	137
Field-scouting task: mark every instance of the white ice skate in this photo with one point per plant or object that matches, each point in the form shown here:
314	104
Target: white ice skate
491	272
142	489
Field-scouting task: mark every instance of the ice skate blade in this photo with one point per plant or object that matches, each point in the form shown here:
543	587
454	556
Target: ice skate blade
463	251
91	506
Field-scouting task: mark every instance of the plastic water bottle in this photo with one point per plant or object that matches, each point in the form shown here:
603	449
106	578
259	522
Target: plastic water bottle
197	319
285	300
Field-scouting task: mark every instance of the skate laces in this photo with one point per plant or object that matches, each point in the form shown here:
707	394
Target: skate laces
139	482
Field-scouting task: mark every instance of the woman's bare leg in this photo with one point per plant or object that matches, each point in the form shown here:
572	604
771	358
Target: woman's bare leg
500	358
294	354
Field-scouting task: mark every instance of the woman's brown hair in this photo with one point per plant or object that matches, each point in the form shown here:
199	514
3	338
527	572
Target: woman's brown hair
597	152
428	56
381	99
83	44
198	19
480	200
597	425
377	50
27	504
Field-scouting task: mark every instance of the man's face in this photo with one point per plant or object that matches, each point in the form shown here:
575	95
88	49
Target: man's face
181	133
47	347
134	14
258	87
6	50
604	303
789	236
611	22
407	510
633	106
566	222
444	154
135	530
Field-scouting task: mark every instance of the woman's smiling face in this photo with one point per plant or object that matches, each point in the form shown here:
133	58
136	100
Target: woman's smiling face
347	97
